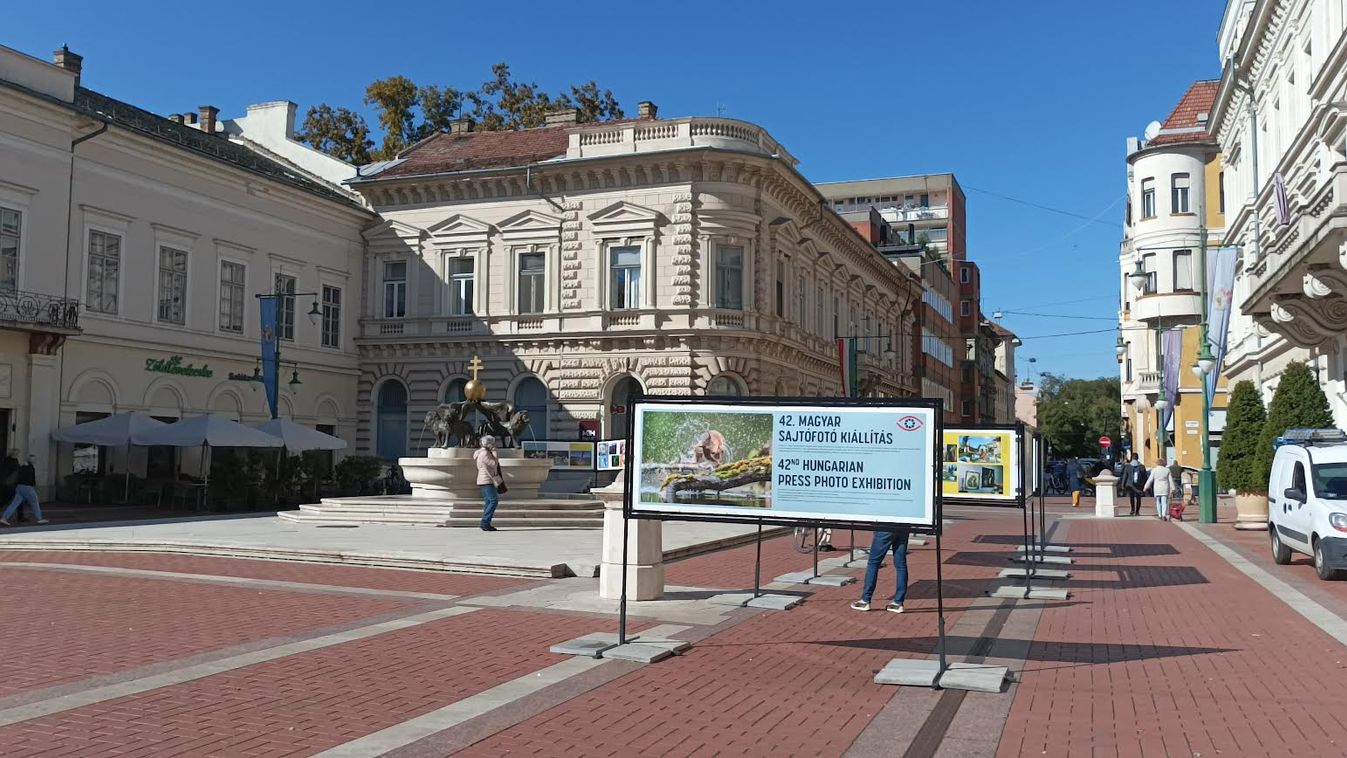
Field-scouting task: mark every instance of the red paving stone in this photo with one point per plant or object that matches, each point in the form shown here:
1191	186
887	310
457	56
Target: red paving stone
1253	545
733	568
796	683
438	582
1169	650
60	626
309	702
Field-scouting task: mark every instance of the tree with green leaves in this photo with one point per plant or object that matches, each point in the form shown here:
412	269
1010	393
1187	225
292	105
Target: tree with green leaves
1074	413
394	99
1298	403
1240	467
339	132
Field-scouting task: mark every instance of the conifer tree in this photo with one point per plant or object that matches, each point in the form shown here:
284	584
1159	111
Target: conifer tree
1298	403
1239	466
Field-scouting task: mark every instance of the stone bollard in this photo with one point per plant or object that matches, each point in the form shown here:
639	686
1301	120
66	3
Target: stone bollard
1105	494
645	551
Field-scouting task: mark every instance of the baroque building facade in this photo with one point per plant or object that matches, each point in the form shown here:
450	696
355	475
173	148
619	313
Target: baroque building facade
586	263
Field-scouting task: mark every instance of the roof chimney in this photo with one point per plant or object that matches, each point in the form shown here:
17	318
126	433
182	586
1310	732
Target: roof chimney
208	114
72	62
646	109
175	118
562	117
189	119
461	125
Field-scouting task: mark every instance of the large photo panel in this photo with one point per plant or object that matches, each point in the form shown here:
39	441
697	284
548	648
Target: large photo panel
785	461
981	464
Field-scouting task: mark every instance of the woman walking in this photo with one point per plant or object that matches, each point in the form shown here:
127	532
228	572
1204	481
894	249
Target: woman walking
489	479
1160	484
1073	473
24	492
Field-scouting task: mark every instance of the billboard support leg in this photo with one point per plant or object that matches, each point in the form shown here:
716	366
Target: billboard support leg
1029	554
816	536
939	610
851	558
622	605
757	565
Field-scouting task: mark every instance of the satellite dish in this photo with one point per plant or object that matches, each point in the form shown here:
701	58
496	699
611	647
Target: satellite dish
1152	129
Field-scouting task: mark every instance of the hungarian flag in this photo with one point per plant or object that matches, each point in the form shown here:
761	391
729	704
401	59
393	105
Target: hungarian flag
846	361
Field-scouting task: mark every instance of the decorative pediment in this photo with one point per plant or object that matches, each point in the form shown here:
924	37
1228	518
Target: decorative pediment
394	237
786	231
623	218
728	221
460	231
530	226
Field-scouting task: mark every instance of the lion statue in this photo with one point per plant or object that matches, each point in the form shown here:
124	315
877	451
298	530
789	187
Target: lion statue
449	422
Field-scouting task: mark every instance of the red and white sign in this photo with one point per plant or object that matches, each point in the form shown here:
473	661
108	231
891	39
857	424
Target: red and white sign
1105	442
615	408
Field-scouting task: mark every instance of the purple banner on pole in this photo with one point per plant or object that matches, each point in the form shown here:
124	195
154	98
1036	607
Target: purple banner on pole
269	368
1172	346
1220	303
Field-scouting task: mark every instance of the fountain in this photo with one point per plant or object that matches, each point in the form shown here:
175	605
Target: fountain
444	483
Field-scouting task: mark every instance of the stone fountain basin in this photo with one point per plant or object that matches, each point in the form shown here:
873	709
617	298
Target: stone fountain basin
451	473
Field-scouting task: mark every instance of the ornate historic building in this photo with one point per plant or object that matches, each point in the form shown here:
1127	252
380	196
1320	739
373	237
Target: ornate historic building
586	263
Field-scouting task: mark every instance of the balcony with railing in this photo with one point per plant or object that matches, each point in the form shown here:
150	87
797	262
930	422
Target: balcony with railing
37	312
651	136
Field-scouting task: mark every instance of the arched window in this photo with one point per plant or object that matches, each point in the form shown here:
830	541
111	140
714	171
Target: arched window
619	409
724	385
454	393
391	420
531	395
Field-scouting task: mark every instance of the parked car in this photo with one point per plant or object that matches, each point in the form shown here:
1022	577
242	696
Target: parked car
1307	499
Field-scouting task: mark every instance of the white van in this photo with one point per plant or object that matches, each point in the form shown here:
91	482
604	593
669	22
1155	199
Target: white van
1307	499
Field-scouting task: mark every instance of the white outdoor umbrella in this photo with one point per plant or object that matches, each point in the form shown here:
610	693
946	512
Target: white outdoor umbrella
110	431
206	432
297	437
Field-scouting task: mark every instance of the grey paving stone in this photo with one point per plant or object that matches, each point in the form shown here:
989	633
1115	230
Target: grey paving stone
639	652
798	577
1037	593
830	580
959	676
586	646
735	599
774	602
908	672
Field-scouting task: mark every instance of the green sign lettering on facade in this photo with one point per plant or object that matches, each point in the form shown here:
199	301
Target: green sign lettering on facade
174	365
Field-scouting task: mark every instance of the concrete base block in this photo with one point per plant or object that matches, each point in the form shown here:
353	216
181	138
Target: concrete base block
830	580
734	599
909	672
1040	574
639	652
774	602
916	541
1054	559
1019	593
798	577
1046	548
1251	526
589	646
858	563
959	676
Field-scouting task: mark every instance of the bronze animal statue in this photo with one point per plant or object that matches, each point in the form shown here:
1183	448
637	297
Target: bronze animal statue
516	424
448	422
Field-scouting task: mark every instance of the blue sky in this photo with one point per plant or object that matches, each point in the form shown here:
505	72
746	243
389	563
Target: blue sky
1025	100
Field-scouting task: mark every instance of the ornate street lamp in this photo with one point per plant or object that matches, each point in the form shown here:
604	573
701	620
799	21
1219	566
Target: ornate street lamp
1138	277
1121	347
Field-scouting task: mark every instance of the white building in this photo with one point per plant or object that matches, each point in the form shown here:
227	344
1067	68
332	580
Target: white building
132	247
585	263
1282	125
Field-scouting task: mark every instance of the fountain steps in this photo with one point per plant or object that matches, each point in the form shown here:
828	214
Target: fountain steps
552	513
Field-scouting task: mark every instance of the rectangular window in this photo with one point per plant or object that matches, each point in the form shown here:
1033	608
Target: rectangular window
626	272
837	317
395	289
1183	270
172	285
331	316
730	277
461	272
532	270
820	317
803	300
10	222
1148	264
232	277
1148	198
105	265
1220	188
285	307
926	201
1178	193
780	289
967	408
965	307
1129	369
965	275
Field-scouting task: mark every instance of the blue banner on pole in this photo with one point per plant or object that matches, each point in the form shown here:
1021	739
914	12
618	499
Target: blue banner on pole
1172	347
1220	303
269	368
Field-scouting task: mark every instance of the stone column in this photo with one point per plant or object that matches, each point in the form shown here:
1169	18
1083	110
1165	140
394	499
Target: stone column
43	391
645	550
1105	494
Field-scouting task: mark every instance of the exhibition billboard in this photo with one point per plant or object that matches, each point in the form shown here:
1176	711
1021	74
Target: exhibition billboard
982	464
569	456
863	462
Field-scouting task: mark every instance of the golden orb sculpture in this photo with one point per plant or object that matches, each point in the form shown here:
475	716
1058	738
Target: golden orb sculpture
474	391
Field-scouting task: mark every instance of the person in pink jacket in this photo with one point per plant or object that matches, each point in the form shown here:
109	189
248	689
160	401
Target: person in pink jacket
489	479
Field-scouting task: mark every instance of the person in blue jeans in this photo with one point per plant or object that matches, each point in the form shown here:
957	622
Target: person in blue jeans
489	479
881	543
24	492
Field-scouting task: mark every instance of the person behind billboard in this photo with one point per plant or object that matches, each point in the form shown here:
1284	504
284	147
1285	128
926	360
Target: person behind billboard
883	542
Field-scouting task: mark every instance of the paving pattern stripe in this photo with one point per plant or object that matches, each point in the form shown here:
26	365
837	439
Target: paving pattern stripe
240	581
1332	624
94	695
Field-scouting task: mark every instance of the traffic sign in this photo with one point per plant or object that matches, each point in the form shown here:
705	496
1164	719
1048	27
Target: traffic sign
1105	442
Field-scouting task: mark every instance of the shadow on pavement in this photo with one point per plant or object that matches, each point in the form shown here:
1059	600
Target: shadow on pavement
1052	652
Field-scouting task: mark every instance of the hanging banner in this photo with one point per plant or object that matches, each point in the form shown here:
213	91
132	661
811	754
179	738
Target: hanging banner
1220	303
863	463
846	361
981	464
1172	349
1279	201
269	367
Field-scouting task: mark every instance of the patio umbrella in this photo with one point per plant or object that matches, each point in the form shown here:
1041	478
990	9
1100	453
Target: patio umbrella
110	431
297	437
206	432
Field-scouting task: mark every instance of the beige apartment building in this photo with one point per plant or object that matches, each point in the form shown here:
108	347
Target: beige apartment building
586	263
132	248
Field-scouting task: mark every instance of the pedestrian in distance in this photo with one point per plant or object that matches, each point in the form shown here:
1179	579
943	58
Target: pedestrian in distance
1077	483
881	543
9	478
1176	480
1160	484
489	479
24	492
1134	481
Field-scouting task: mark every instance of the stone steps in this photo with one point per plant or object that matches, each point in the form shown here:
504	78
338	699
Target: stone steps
572	513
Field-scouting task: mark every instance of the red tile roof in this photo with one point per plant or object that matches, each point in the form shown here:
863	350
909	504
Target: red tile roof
1197	101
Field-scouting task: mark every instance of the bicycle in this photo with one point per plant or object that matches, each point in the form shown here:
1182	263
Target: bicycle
804	538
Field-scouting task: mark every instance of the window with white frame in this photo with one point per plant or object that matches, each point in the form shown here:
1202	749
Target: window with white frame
395	289
1148	198
232	280
532	279
965	274
105	266
624	289
172	285
1178	193
1183	270
331	332
10	223
285	307
730	277
1148	265
965	307
461	274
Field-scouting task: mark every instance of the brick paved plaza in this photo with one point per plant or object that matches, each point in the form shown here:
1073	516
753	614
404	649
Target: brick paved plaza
1177	640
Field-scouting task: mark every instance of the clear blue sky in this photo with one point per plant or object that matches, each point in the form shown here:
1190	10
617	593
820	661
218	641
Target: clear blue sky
1028	100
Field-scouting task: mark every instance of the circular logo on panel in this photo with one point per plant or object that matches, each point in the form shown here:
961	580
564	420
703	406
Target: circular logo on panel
910	423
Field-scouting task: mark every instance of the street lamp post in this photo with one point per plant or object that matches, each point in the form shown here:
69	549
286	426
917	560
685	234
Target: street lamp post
314	315
888	354
1206	364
